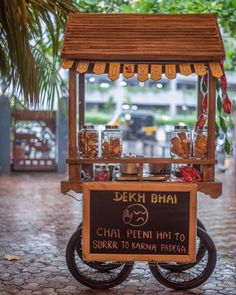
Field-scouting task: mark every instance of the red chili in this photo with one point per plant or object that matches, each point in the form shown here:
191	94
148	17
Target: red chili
205	103
223	83
226	104
201	120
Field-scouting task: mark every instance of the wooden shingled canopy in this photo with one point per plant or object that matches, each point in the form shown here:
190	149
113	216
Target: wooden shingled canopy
143	37
192	39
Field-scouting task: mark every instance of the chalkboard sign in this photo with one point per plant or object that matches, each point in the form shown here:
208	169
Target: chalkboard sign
139	222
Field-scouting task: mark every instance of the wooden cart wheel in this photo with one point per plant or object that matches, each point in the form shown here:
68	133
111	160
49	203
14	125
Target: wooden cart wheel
99	265
88	276
194	276
201	250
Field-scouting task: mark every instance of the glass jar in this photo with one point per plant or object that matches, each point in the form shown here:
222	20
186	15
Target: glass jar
200	142
88	142
180	142
111	142
101	172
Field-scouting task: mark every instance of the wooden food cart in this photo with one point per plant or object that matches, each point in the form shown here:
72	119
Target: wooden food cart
149	45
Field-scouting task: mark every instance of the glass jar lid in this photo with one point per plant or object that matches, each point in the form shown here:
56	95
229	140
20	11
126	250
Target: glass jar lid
101	167
181	127
111	127
87	126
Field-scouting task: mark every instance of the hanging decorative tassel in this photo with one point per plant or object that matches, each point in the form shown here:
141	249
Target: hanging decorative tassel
223	83
224	108
226	104
201	121
205	104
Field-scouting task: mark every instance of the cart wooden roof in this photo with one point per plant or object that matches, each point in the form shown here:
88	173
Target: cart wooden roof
143	38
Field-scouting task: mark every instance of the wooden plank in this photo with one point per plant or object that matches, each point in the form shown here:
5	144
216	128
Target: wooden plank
34	115
142	160
72	112
211	148
128	57
75	186
74	171
211	188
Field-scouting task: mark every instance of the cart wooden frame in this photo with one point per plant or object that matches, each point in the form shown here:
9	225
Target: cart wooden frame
153	39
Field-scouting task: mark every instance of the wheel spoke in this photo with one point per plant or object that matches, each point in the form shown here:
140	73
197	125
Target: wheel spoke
188	275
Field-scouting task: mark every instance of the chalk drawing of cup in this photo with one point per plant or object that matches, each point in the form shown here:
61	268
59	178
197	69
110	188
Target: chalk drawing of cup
135	215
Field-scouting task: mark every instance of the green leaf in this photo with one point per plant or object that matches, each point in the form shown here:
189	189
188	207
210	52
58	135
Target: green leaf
91	2
233	2
227	146
203	85
223	124
217	130
218	84
219	103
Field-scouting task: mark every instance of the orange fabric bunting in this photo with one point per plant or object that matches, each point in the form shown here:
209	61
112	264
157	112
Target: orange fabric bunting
82	67
114	71
216	69
99	68
128	71
200	69
156	72
67	63
185	69
170	71
142	72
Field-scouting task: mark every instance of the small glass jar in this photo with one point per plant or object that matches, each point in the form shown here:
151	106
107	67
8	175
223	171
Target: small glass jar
111	142
200	142
101	172
88	142
180	142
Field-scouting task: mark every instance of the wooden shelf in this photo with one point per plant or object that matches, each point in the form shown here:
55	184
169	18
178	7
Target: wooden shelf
211	188
142	160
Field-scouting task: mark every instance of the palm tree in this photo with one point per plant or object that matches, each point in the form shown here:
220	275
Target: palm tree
30	36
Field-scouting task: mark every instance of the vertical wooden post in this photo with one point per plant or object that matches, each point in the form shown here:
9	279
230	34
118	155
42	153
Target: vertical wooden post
81	99
87	168
209	170
199	109
74	172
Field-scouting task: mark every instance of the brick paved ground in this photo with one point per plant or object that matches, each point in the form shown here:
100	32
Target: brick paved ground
36	222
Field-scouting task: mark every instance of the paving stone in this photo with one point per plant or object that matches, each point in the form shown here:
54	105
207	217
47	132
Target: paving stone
32	286
25	292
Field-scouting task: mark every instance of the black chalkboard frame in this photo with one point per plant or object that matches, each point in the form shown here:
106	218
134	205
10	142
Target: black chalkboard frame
89	187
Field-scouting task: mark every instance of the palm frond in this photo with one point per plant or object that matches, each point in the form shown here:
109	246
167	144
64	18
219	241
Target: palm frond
4	66
28	26
50	82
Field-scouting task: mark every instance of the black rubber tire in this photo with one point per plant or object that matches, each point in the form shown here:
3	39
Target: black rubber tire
201	225
178	267
89	276
189	279
99	265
